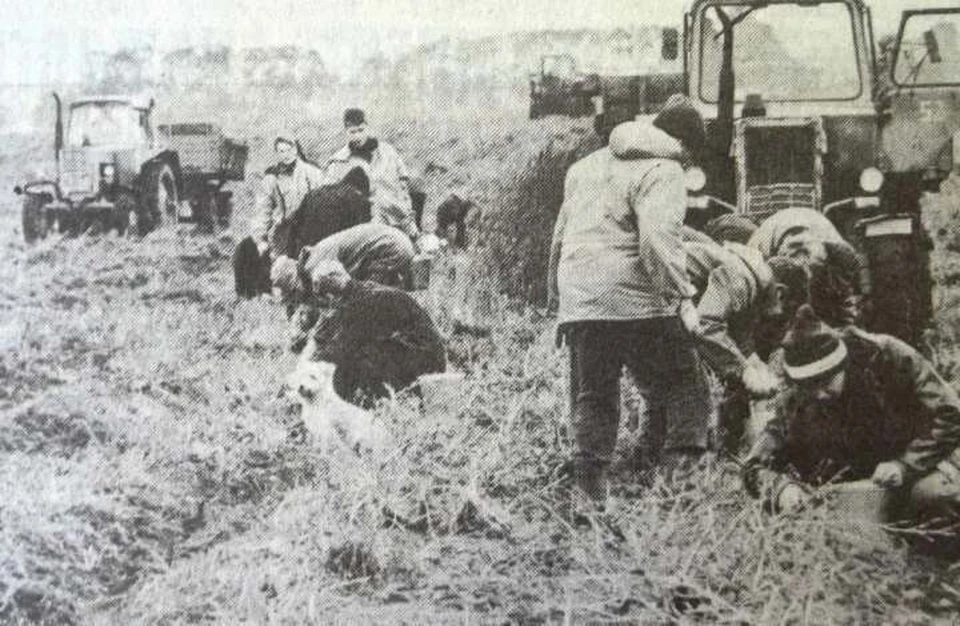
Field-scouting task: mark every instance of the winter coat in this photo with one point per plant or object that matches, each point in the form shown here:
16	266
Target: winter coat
324	211
731	281
617	252
389	180
378	336
368	252
894	406
279	195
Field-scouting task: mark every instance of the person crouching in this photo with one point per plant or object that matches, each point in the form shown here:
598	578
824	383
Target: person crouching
380	339
858	406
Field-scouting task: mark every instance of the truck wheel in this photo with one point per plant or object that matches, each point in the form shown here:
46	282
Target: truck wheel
124	214
159	198
535	112
224	208
34	216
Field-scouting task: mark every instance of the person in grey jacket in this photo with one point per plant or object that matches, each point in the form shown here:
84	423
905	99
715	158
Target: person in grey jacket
618	269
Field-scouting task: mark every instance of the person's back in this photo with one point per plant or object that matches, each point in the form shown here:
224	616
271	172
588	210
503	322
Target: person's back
368	251
324	211
612	263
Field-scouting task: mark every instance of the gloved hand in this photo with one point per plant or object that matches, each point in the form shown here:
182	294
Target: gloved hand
690	317
889	474
283	274
758	378
791	498
262	246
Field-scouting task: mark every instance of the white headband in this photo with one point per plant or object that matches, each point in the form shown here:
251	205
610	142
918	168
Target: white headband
819	367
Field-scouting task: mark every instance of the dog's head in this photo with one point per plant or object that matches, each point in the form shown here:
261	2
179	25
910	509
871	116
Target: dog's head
312	380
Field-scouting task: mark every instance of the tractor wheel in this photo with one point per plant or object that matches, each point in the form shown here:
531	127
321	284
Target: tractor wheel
34	216
125	218
535	112
159	198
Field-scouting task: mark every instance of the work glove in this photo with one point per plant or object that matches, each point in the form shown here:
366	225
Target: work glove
263	246
759	379
889	474
690	318
791	498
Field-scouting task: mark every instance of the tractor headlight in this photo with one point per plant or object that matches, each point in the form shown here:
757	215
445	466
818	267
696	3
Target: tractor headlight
694	179
107	171
871	179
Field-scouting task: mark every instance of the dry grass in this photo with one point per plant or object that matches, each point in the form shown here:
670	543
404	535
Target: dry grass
152	471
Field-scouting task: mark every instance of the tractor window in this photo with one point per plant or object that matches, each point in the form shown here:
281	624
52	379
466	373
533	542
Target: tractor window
929	51
104	124
784	52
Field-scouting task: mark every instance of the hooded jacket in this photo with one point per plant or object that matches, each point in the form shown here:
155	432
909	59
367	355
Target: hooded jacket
894	406
731	281
617	250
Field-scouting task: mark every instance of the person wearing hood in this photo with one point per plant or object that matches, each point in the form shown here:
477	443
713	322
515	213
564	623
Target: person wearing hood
618	273
389	178
840	285
739	296
858	406
282	189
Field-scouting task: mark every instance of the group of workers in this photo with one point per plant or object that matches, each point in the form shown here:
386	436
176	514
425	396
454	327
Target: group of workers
773	310
338	244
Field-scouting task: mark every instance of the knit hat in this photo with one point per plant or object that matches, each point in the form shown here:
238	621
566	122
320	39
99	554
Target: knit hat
681	120
811	349
730	228
354	117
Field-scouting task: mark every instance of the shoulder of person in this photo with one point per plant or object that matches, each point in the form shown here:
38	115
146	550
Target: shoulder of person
342	155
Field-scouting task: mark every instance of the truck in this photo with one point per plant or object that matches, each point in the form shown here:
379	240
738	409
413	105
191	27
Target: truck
793	124
557	88
116	170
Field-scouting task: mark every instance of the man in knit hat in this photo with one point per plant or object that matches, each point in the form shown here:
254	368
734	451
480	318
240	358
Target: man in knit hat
618	271
389	179
858	406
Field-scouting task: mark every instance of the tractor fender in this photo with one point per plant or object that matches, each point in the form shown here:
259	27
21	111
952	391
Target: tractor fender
168	157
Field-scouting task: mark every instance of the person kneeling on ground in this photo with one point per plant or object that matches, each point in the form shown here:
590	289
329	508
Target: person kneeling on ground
858	405
379	337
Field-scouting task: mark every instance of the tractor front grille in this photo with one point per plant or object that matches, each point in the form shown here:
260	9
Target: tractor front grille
779	164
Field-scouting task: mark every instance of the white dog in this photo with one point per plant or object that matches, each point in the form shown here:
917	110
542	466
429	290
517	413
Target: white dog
330	419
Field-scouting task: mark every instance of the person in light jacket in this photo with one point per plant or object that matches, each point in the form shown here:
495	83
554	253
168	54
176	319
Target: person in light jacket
282	189
618	270
389	178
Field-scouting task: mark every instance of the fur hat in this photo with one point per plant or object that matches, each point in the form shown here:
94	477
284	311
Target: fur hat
682	121
354	117
812	349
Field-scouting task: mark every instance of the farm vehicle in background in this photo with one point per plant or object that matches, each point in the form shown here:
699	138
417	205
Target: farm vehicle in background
790	124
558	88
115	170
631	83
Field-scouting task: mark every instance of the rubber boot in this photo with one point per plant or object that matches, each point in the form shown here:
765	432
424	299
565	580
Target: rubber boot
590	485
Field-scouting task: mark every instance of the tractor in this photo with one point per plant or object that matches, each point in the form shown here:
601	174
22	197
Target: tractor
558	88
793	123
115	170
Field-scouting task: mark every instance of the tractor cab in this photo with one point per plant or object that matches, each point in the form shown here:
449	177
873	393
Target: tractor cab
798	116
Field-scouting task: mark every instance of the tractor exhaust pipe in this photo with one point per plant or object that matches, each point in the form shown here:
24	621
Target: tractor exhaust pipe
58	133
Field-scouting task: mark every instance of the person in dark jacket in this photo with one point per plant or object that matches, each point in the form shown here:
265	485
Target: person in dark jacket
379	337
857	406
325	211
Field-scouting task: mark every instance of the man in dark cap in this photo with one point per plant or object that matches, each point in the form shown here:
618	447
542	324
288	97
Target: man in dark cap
858	406
389	179
618	268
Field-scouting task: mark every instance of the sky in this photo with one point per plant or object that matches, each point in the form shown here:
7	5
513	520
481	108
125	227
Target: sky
44	41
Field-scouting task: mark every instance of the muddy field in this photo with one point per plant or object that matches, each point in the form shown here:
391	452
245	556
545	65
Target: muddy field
153	470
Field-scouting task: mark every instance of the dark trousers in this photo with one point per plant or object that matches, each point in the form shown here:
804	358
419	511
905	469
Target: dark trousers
660	355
